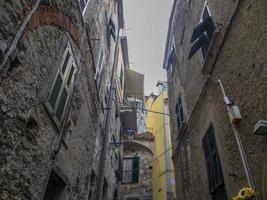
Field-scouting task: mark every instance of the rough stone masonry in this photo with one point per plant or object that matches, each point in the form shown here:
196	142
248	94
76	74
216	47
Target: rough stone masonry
237	56
30	157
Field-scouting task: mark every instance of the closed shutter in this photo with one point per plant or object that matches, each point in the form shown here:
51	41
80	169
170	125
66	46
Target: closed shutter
135	170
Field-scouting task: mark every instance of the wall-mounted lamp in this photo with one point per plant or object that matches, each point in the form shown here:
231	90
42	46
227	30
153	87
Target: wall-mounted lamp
260	128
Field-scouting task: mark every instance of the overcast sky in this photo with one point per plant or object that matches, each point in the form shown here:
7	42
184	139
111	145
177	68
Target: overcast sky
146	25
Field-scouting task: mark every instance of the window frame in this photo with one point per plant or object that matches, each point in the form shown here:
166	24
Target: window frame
65	84
131	181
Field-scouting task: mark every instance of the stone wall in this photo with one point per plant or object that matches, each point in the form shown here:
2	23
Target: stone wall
240	66
28	136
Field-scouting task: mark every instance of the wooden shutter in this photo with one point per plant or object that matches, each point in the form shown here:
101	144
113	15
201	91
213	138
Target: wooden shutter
205	13
135	170
202	43
206	26
202	34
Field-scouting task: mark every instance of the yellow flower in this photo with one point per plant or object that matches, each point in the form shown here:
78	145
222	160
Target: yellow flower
246	194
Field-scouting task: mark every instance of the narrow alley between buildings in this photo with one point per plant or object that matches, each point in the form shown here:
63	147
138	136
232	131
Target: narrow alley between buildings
133	100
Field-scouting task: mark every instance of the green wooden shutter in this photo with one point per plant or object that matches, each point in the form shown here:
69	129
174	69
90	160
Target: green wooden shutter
135	171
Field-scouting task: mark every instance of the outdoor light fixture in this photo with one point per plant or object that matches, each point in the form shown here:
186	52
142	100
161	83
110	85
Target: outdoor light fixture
234	114
260	128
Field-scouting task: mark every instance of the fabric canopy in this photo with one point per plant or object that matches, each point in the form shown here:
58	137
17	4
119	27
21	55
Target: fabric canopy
134	84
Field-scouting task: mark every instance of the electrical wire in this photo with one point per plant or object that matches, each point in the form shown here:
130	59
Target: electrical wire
152	159
136	107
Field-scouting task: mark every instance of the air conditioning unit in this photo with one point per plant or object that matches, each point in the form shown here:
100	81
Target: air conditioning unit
260	128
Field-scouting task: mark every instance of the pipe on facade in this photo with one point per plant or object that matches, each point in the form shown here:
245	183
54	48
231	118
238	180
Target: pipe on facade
18	34
238	141
168	153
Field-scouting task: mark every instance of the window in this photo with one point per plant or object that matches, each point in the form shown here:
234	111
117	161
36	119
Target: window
130	170
171	58
112	29
56	187
100	67
179	113
83	4
214	170
203	34
59	95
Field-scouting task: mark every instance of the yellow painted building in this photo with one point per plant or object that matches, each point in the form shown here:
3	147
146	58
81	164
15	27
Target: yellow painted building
158	124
